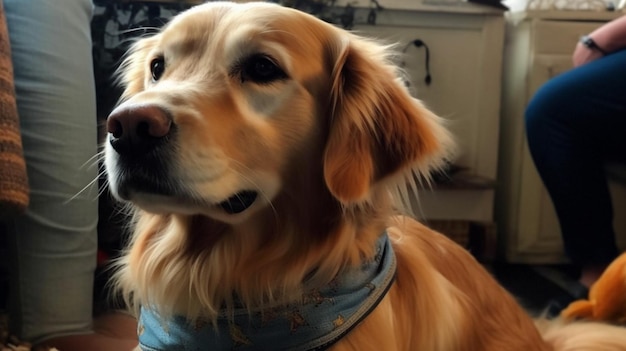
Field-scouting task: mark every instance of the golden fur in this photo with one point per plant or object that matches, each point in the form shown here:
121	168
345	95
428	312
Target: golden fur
329	148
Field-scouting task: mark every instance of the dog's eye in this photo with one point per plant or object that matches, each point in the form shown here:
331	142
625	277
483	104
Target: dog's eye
157	67
261	69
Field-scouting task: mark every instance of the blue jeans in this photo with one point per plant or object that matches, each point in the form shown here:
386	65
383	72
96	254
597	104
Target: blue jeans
53	245
575	123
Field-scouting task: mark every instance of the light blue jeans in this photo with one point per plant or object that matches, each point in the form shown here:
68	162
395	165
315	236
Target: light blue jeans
53	246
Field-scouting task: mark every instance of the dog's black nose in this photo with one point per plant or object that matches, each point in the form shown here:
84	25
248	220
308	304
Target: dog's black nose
137	129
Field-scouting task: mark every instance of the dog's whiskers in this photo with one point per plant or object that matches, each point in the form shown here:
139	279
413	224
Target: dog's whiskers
146	30
85	188
104	187
93	160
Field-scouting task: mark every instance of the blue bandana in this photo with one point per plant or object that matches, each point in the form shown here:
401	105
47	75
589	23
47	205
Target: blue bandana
321	319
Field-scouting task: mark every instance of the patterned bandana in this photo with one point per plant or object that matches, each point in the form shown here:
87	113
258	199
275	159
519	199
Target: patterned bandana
321	319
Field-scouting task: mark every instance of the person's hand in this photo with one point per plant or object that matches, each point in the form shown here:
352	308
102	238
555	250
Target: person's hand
583	54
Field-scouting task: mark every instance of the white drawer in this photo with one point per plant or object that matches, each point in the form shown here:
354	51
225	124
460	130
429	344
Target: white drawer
559	37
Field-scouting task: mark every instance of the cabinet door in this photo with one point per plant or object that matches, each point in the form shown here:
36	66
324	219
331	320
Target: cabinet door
464	88
540	234
539	231
537	50
545	67
559	37
465	67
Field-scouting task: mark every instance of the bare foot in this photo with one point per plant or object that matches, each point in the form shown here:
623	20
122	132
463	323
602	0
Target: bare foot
590	275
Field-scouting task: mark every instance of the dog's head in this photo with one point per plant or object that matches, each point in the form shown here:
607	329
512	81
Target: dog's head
230	103
260	146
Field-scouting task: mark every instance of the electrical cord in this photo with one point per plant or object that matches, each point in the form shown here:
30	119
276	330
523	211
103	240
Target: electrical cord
418	43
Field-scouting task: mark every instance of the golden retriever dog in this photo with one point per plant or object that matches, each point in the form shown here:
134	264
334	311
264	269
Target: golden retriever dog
267	155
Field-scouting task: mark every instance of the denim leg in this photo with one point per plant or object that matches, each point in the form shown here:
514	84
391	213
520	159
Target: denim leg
53	246
574	124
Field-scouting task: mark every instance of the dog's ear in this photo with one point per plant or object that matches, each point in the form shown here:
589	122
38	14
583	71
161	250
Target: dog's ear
377	129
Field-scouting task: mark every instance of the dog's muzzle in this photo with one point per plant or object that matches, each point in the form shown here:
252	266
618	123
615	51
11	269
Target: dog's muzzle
141	135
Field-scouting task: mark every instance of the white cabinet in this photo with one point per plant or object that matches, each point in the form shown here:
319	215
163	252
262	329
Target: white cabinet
538	46
465	44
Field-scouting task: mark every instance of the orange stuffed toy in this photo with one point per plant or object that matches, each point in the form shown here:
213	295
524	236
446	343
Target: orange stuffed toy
607	297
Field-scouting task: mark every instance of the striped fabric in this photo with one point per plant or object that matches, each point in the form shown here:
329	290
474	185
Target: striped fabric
13	180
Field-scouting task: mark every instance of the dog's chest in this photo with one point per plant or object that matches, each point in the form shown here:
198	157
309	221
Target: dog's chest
322	317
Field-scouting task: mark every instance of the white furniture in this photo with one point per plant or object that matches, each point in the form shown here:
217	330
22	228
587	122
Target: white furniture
465	43
539	46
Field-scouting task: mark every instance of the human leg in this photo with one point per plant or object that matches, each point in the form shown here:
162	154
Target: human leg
574	123
54	244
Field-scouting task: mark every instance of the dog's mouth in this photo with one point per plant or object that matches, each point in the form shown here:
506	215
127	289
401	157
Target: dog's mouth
162	202
137	187
239	202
